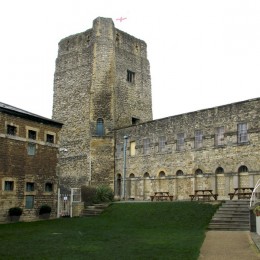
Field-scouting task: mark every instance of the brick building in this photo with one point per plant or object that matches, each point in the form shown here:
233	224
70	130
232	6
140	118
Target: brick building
28	160
102	94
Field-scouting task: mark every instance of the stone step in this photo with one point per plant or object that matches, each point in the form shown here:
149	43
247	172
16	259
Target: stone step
94	210
228	228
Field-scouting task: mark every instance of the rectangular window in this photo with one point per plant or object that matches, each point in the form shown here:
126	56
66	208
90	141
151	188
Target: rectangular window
29	186
242	136
29	201
118	150
219	136
31	149
48	187
130	76
198	139
146	146
9	185
162	142
50	138
11	130
32	134
180	142
132	148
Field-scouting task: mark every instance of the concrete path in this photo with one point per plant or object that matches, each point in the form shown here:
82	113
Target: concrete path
228	245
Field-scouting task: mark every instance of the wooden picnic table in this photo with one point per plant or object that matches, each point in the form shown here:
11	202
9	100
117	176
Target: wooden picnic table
204	194
241	193
161	195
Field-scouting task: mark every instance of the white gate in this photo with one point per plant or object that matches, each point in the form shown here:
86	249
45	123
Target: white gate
65	202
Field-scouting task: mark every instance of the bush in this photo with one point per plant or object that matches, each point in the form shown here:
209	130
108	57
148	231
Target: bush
15	211
104	194
44	209
88	194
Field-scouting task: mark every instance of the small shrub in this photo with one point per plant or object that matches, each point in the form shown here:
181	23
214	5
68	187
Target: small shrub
45	209
88	194
104	194
15	211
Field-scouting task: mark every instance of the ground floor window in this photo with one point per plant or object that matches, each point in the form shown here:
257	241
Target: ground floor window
29	201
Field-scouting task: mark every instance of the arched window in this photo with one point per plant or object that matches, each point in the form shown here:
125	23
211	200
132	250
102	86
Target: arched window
146	175
179	173
198	172
219	170
242	168
161	174
131	175
100	127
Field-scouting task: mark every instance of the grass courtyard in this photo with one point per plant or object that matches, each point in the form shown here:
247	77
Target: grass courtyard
155	230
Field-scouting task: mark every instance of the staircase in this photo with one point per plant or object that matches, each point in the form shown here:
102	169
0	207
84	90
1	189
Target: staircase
231	215
94	210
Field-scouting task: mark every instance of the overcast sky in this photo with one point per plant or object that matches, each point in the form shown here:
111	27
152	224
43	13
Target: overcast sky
202	53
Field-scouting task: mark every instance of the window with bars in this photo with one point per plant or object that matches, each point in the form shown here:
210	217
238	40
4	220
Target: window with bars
146	146
48	187
242	136
130	76
162	143
50	138
219	136
180	142
198	139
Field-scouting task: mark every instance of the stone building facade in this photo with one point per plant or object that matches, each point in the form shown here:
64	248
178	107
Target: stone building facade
216	148
102	94
28	160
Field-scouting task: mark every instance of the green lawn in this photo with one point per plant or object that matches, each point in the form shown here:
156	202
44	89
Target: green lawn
124	231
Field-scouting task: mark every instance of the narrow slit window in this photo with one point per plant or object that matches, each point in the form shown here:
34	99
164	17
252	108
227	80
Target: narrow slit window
130	76
100	127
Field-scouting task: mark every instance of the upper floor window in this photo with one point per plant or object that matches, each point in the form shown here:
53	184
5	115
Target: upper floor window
219	170
48	187
135	120
242	168
132	148
50	138
32	134
219	136
100	127
118	150
179	173
146	146
29	186
198	172
180	142
9	185
11	130
130	76
198	139
242	136
162	143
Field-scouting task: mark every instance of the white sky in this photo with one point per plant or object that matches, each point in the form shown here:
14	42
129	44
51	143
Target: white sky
202	53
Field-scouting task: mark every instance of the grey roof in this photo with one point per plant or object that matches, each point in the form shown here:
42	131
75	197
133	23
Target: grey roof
11	110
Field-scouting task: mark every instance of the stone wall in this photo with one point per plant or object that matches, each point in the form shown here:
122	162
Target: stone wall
19	167
165	167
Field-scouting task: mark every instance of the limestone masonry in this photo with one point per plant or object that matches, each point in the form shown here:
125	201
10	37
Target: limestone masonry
102	94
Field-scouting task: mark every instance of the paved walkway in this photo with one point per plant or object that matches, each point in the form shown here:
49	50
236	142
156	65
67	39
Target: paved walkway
229	245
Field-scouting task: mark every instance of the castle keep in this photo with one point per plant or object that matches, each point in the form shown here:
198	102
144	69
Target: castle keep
102	94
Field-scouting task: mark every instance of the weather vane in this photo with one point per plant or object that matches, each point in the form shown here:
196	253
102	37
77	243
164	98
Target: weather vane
120	19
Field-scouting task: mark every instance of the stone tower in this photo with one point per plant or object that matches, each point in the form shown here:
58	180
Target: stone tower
102	82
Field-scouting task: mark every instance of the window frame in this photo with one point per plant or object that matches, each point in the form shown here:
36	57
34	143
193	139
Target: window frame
198	139
180	142
219	136
242	133
146	146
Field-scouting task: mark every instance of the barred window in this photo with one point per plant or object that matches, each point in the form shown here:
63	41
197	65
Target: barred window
242	136
32	134
219	136
29	186
11	130
180	142
146	146
198	139
130	76
9	185
162	142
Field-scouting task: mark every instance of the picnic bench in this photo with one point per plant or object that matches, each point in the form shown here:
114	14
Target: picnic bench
205	195
241	193
161	195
